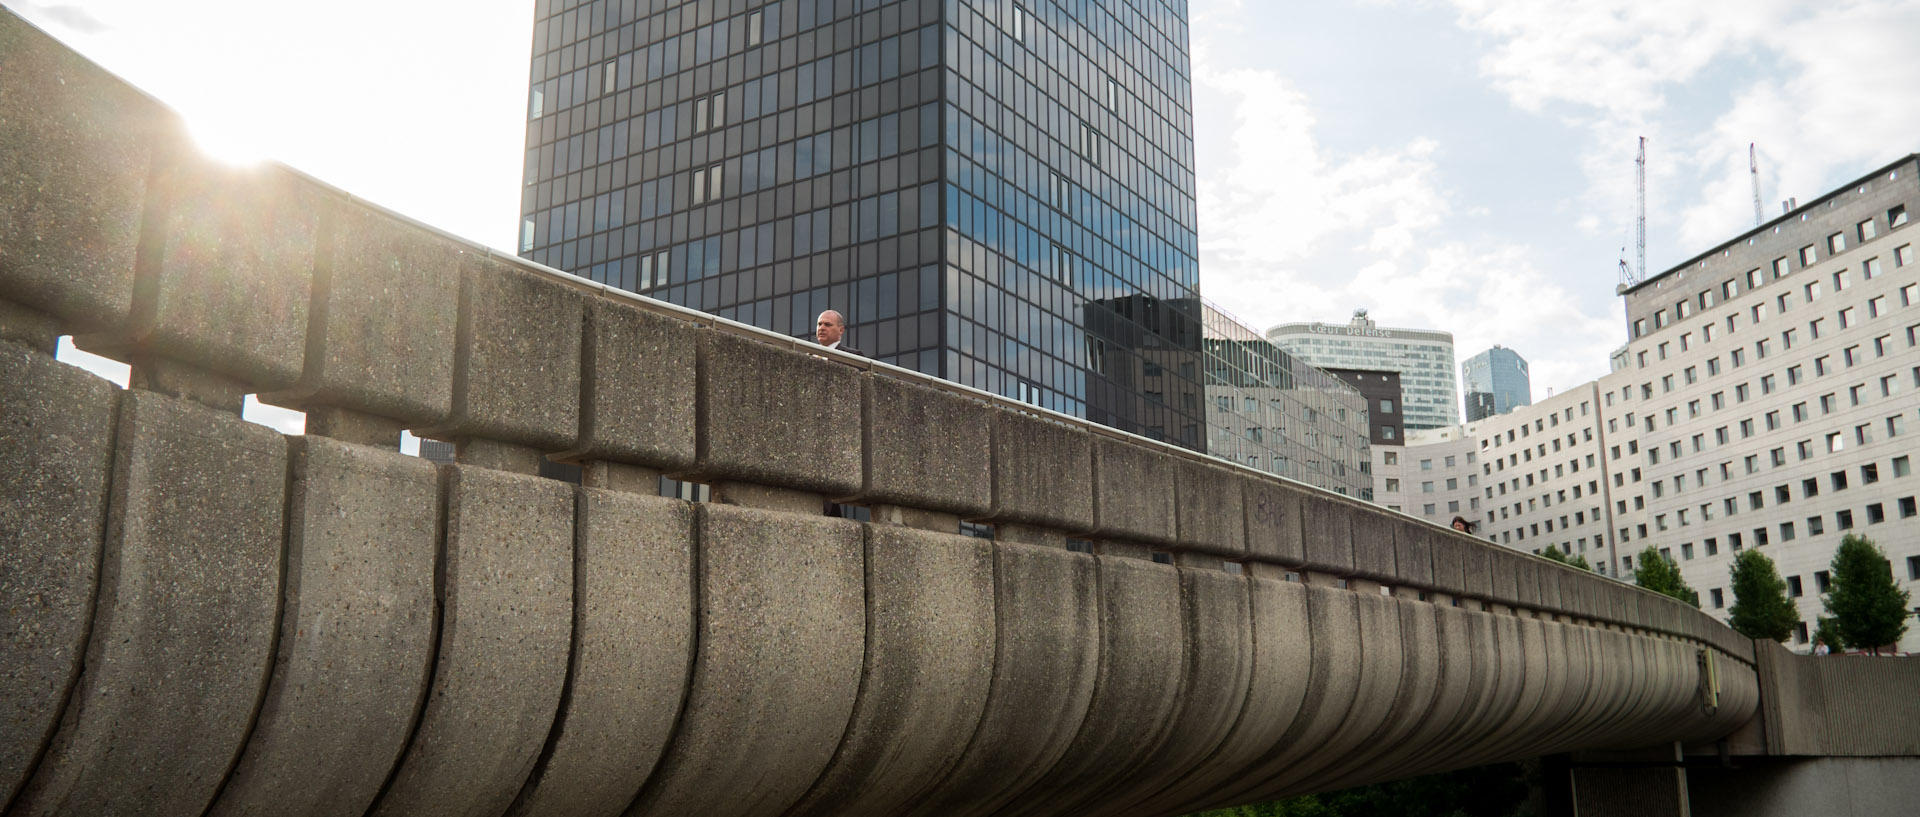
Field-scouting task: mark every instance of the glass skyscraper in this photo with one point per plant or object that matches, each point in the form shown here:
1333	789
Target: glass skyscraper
1495	382
998	193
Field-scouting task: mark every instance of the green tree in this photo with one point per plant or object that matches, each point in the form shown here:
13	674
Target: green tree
1824	633
1760	606
1578	560
1659	574
1869	611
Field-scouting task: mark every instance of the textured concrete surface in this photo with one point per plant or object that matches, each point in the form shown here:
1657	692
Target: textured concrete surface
1143	660
184	621
56	438
777	417
76	146
632	650
1282	671
1046	659
924	448
1133	493
1790	787
1328	527
929	660
384	318
1381	664
1414	697
776	666
1274	516
1413	553
1212	513
226	271
516	365
356	633
1449	550
1042	473
1374	547
1631	792
637	388
506	620
1216	682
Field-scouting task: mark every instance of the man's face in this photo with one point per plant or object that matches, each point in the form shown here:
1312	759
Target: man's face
828	328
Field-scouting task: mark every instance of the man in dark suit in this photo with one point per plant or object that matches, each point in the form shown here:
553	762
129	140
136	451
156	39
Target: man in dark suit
830	329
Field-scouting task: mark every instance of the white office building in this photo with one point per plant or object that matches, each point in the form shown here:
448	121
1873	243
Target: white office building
1430	393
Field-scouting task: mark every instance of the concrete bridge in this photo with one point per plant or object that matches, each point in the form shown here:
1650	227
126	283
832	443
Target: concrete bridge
204	616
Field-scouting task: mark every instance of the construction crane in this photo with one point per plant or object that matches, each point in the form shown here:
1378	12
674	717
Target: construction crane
1753	167
1631	275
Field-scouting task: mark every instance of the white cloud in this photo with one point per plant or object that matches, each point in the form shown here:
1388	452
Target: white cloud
1291	231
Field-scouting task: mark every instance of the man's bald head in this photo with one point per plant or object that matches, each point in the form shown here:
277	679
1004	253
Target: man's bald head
828	329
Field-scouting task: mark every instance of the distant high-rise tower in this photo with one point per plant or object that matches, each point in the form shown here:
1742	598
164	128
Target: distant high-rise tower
1423	357
1496	382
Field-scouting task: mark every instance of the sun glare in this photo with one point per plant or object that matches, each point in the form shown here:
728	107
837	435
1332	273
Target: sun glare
227	140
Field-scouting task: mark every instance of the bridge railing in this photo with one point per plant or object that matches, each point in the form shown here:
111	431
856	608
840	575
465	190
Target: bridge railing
201	599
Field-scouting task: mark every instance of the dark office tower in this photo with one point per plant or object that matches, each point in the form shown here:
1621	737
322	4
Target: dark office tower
999	193
1496	382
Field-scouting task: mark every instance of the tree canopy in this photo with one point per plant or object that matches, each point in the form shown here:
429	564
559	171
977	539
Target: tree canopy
1578	560
1761	608
1658	573
1869	610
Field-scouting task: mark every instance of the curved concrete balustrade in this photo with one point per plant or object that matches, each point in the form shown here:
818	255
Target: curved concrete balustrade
207	617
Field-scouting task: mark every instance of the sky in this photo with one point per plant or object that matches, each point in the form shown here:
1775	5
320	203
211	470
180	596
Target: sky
1461	165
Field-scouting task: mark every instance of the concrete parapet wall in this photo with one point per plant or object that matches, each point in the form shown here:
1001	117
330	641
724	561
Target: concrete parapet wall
214	618
1838	705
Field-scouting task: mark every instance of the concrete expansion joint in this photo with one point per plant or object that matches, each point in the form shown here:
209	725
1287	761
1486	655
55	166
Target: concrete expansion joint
620	476
497	455
187	382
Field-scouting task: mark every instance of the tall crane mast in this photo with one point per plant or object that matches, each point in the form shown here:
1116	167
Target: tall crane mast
1633	275
1753	167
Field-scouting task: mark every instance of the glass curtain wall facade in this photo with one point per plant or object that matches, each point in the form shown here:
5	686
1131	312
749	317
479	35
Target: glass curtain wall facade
994	192
999	193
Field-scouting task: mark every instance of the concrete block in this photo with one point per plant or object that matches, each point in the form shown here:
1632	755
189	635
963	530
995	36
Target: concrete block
632	651
506	621
56	437
929	662
1449	561
226	270
1042	473
1274	518
1133	493
1328	524
384	318
516	372
1282	669
776	665
1549	577
1631	792
76	147
1413	553
1137	689
637	389
1526	582
1220	652
184	619
1048	624
1374	546
777	417
1210	502
356	633
924	448
1476	569
1503	571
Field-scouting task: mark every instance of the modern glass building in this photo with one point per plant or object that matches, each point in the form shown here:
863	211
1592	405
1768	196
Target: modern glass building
999	193
1423	357
1495	382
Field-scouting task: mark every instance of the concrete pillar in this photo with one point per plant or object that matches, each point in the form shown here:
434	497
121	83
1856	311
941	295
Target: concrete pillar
1645	783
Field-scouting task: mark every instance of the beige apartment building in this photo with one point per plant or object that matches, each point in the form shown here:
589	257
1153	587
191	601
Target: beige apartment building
1768	397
